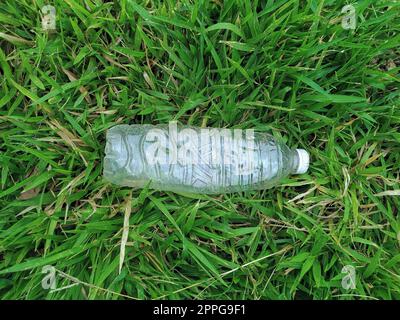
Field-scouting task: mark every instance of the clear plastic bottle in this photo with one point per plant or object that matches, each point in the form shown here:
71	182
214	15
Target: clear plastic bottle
198	160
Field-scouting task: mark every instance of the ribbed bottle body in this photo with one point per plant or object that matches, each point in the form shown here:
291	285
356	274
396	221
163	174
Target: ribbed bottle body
195	160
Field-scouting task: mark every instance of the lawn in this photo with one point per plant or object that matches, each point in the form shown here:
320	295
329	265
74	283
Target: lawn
289	68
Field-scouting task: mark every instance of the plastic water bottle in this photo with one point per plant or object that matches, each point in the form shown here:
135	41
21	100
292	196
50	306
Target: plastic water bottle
198	160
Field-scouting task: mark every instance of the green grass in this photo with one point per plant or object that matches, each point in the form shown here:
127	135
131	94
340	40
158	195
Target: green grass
284	67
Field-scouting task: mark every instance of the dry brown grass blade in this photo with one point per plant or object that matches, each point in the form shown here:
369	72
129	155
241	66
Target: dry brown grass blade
125	230
72	77
69	138
29	194
15	40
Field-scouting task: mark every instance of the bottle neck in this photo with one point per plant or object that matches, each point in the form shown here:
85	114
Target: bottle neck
301	161
295	162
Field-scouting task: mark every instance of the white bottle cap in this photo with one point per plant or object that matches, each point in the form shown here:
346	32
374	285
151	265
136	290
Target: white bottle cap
304	161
